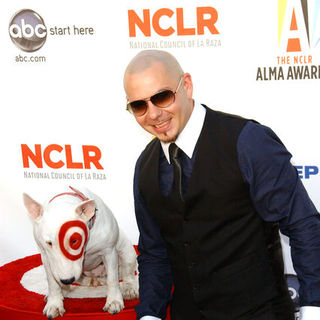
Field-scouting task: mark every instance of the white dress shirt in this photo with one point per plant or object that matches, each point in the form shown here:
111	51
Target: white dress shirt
188	137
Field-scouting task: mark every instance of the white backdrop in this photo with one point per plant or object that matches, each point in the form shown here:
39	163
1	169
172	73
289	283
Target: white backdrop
75	97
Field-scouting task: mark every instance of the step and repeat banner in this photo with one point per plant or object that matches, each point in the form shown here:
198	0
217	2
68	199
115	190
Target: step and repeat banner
63	108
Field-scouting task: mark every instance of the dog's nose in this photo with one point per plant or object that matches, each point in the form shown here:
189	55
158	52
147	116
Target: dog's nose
68	281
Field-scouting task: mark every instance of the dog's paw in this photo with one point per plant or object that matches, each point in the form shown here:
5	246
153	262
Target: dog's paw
113	306
54	308
130	294
129	290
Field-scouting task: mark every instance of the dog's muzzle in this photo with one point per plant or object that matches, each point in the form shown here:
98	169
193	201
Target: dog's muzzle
68	281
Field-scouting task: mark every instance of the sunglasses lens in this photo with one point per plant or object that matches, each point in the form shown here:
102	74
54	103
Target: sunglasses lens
163	99
138	107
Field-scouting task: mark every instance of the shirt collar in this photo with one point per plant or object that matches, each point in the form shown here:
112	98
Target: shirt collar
188	137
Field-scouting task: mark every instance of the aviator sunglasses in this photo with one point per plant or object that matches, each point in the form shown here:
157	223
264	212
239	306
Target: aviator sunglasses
162	99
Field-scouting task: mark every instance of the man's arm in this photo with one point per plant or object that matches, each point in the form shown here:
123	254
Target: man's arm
279	195
155	280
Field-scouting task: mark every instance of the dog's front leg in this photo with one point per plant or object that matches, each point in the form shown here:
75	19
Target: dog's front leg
54	299
114	303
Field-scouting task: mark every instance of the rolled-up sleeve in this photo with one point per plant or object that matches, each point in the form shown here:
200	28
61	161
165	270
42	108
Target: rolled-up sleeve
279	196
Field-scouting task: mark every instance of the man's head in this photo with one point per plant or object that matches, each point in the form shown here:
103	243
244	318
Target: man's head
151	72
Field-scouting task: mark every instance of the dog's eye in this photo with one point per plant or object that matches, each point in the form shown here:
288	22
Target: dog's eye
49	244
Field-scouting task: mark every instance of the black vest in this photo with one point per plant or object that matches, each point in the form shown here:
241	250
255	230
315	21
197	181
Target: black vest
226	261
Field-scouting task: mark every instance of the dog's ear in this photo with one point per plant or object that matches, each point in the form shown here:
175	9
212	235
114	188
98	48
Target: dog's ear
35	209
86	210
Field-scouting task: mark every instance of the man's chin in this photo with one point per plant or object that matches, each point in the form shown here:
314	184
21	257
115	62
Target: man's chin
166	138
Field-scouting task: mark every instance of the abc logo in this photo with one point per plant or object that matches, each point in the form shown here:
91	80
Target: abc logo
27	30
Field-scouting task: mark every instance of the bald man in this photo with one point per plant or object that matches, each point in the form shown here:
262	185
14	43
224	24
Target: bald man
211	191
152	73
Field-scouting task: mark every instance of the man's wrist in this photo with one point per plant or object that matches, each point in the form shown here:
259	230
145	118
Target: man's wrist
309	313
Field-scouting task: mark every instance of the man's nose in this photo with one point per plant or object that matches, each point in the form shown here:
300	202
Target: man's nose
153	111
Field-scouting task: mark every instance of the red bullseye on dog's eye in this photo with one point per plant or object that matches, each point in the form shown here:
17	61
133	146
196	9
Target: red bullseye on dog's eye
75	241
73	236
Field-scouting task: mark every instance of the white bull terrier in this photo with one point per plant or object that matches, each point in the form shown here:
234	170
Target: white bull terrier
77	234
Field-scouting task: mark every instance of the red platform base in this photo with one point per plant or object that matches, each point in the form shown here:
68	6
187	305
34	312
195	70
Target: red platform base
17	303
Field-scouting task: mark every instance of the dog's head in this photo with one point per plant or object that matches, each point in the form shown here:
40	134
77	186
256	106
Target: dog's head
61	232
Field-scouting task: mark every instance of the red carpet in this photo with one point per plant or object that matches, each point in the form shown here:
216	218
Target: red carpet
16	303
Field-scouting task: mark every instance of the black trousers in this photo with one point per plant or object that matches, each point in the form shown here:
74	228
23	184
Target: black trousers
281	308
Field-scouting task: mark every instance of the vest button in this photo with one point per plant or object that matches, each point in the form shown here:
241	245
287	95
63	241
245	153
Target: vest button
191	265
187	244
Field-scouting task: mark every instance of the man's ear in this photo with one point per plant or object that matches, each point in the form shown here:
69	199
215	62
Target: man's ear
188	85
86	210
35	209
